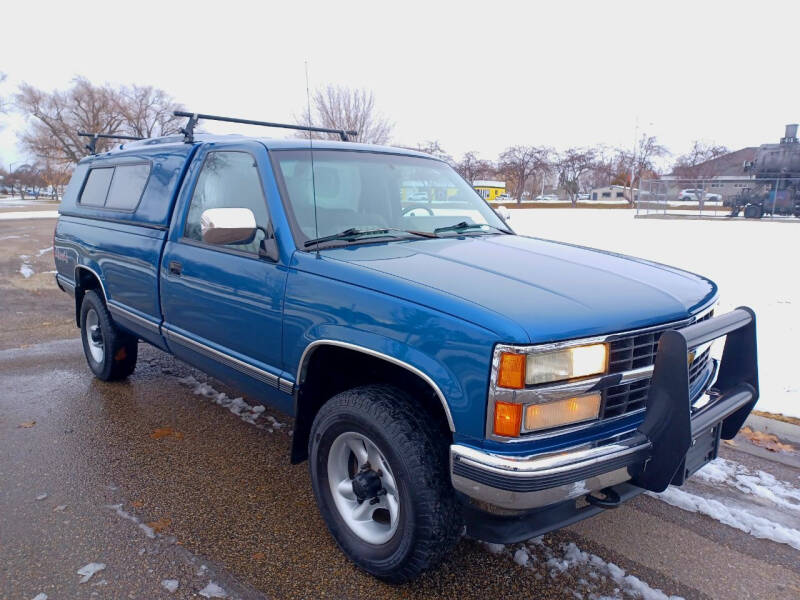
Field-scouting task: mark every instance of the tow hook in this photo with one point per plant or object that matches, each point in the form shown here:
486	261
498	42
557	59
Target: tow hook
367	485
610	498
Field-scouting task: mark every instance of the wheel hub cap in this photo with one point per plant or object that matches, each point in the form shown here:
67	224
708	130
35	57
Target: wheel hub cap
94	336
363	488
367	485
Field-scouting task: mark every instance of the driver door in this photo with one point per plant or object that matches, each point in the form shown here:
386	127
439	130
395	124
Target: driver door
223	303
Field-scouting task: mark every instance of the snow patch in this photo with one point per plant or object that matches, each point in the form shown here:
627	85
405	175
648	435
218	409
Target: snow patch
738	518
26	270
88	570
44	251
41	496
170	585
592	574
41	596
756	483
253	414
117	508
28	214
212	590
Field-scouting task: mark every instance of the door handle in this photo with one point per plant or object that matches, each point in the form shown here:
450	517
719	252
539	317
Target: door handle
175	267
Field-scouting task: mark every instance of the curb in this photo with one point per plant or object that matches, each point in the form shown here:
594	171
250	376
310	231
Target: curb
785	431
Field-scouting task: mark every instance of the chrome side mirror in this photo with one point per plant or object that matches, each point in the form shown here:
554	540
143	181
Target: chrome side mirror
228	226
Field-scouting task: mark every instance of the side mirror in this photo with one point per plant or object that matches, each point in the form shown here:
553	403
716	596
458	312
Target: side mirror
228	226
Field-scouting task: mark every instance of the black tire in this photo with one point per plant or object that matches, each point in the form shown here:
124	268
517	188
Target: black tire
752	211
119	348
429	522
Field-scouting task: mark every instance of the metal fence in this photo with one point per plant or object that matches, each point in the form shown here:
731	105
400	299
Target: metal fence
727	197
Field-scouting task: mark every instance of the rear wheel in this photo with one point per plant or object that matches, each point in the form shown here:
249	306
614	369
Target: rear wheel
110	352
381	480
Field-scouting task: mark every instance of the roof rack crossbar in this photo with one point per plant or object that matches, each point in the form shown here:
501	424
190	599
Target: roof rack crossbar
188	131
93	137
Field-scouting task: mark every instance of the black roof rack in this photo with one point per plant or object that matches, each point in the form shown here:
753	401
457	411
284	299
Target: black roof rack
92	145
188	131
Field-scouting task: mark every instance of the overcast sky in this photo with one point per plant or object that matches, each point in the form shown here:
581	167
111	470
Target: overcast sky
474	76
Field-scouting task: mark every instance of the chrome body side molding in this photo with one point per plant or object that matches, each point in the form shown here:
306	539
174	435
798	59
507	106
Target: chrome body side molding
261	375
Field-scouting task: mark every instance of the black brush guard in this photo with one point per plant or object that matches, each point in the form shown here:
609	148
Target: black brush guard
681	441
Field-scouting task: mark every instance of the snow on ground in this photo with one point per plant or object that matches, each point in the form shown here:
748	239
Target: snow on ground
738	518
26	270
28	214
171	585
88	570
41	596
751	261
253	414
760	484
586	574
755	502
212	590
117	508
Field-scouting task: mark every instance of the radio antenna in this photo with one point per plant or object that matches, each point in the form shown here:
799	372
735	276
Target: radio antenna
311	149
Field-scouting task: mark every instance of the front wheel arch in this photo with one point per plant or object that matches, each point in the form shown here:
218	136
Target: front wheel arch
329	368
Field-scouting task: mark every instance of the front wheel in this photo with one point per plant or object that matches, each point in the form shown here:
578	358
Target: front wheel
381	480
111	353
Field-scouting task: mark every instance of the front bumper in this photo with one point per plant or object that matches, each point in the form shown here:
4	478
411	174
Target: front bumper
671	444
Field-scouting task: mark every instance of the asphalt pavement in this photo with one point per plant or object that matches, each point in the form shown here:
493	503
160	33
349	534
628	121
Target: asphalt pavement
158	481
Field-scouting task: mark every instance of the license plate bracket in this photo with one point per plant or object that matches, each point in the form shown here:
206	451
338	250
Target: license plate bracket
703	450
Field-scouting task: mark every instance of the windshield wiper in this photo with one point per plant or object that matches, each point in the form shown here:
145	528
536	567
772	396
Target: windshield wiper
354	233
464	225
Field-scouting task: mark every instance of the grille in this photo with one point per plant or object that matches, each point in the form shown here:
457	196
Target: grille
634	352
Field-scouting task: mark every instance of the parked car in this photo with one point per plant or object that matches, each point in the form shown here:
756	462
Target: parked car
444	374
693	195
547	198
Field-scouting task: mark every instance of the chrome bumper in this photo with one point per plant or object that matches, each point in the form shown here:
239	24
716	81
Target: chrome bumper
536	481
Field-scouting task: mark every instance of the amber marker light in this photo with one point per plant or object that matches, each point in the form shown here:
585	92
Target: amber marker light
511	373
507	419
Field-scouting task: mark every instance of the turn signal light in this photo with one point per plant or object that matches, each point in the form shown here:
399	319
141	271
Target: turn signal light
511	373
507	419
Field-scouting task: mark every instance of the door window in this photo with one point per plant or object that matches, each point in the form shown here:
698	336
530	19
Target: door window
228	180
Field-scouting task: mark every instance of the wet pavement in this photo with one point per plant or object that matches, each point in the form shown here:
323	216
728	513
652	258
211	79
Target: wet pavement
156	479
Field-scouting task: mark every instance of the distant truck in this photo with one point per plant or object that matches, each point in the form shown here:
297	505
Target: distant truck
443	372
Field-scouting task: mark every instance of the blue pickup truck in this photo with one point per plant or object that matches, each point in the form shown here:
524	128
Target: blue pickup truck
444	374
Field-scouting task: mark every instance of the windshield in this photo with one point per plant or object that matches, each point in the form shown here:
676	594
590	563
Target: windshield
368	191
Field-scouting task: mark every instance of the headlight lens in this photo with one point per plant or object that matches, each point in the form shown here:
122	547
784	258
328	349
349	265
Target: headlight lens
562	412
568	363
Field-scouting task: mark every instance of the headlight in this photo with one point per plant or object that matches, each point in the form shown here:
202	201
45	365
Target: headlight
518	370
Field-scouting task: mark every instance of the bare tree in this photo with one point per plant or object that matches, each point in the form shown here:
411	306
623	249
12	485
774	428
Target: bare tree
518	163
471	168
695	163
641	163
434	148
339	107
572	165
147	111
55	118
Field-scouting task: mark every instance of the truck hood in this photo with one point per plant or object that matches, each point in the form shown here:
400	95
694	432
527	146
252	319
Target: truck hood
551	290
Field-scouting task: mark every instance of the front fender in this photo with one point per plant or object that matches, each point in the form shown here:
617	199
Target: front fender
453	355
